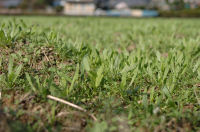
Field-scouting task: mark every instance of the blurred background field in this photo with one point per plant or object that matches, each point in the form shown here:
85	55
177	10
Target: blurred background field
128	8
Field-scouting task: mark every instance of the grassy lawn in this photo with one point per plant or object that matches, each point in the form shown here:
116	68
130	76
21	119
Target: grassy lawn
131	74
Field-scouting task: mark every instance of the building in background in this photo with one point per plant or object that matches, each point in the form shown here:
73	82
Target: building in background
110	4
9	3
175	4
130	3
160	4
192	4
79	7
59	3
134	8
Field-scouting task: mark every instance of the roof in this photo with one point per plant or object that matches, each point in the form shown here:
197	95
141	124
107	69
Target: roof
130	3
9	3
80	1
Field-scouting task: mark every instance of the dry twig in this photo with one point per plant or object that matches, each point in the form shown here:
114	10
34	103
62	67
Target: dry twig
72	105
46	56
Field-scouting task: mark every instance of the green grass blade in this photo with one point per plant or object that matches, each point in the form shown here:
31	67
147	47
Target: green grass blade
75	78
30	82
99	76
17	72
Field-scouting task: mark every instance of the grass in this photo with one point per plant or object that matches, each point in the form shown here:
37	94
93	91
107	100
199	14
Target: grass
132	74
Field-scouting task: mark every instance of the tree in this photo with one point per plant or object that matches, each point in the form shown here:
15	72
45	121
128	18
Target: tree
35	4
103	4
176	4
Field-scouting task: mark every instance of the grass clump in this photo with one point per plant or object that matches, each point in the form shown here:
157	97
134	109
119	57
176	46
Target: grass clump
133	74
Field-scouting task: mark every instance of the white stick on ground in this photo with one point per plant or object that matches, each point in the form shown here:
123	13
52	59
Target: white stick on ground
72	105
46	56
66	102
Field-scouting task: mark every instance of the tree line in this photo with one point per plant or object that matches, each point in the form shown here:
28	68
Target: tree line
35	4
